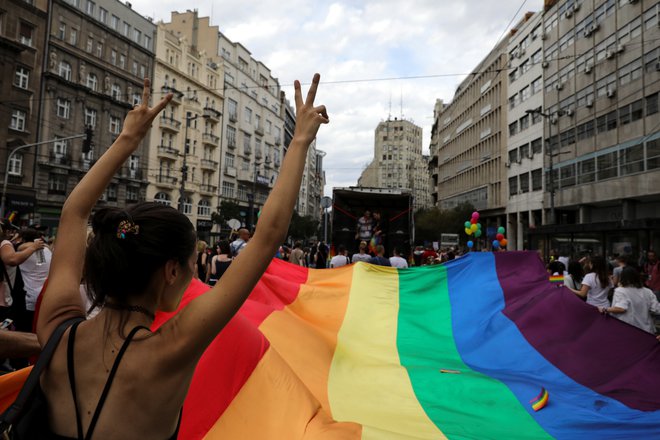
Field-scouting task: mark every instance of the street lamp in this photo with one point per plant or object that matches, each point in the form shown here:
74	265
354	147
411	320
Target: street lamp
184	167
550	117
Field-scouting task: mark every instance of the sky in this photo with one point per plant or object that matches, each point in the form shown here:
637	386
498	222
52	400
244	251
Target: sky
366	52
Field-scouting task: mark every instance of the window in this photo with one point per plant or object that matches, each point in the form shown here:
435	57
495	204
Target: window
114	22
143	69
113	57
90	45
525	66
122	61
248	115
60	147
257	121
513	128
652	104
65	70
90	7
269	127
115	125
228	190
73	37
127	29
630	72
185	205
525	94
537	146
537	180
242	192
524	122
103	15
21	77
15	166
607	166
632	159
229	160
232	108
513	101
513	186
134	69
524	151
115	92
524	183
137	35
537	57
18	120
111	192
513	156
147	42
61	31
162	198
56	184
653	154
537	85
90	117
247	149
567	176
92	81
132	193
637	110
587	171
204	208
25	32
63	108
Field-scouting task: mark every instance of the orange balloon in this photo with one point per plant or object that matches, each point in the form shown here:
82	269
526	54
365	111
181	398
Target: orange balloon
503	242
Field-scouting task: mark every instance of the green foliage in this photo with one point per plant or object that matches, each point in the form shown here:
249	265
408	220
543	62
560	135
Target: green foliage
302	227
430	223
228	211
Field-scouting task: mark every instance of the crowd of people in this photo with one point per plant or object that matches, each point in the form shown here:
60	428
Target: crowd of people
617	287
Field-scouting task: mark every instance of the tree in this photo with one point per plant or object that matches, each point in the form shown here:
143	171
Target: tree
430	223
302	227
228	210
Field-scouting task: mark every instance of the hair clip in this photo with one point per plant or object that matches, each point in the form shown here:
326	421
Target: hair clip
127	227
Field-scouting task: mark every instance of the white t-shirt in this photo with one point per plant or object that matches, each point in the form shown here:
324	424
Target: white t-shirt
34	277
360	257
339	261
597	295
11	270
639	303
398	262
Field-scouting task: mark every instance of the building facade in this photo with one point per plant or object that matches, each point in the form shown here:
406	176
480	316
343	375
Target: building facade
253	128
185	148
524	162
601	78
469	141
398	161
22	36
98	54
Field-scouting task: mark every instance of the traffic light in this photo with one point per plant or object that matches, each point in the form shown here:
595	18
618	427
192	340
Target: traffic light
87	143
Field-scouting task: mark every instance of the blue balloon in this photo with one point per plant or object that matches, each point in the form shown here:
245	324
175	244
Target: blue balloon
496	244
470	244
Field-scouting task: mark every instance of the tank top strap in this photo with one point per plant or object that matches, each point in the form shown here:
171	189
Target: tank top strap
108	383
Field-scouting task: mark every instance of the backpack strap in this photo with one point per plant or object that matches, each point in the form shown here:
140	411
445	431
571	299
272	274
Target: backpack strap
13	413
108	383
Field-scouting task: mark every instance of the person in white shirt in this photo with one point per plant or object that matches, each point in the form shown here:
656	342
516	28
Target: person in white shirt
633	303
362	255
34	270
596	284
340	259
397	261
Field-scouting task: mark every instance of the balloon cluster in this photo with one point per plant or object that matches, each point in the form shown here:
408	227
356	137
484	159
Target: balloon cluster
473	227
500	239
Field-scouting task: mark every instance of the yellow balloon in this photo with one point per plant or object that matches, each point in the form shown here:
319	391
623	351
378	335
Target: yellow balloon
468	231
474	227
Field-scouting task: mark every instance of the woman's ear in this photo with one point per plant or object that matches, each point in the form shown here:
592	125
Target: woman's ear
171	269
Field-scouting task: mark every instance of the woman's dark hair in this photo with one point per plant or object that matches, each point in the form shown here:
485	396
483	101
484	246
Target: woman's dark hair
29	235
630	278
224	247
121	267
556	267
600	268
576	271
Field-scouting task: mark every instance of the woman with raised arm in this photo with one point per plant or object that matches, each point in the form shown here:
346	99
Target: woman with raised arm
140	261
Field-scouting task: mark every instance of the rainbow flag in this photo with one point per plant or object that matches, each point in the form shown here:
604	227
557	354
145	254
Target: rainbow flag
557	280
447	351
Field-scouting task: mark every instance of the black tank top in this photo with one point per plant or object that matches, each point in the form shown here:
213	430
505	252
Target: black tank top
106	389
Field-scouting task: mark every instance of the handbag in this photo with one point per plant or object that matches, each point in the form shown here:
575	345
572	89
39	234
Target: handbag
27	417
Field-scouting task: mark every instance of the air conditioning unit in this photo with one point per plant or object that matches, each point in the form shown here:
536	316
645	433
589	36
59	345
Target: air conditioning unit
632	1
568	14
587	68
545	64
554	120
586	33
609	54
590	103
521	53
611	93
559	86
507	164
657	66
569	112
621	48
544	35
576	7
594	28
534	37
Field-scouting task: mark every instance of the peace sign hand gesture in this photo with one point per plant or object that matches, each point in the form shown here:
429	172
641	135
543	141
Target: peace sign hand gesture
308	117
138	121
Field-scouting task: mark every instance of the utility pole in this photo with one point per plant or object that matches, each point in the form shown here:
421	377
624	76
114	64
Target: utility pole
184	167
87	134
252	222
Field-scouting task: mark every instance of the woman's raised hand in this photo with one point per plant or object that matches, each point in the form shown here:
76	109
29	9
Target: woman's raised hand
138	121
308	117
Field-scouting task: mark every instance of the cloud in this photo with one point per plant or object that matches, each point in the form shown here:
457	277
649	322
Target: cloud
358	40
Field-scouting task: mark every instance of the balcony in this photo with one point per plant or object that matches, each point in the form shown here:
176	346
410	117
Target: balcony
209	164
167	181
170	124
168	152
178	96
210	139
231	143
129	173
259	130
212	114
208	189
233	117
57	159
247	151
245	175
230	171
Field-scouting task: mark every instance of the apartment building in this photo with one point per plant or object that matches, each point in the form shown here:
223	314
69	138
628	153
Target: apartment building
469	142
398	160
252	127
22	34
185	145
98	53
524	161
601	74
